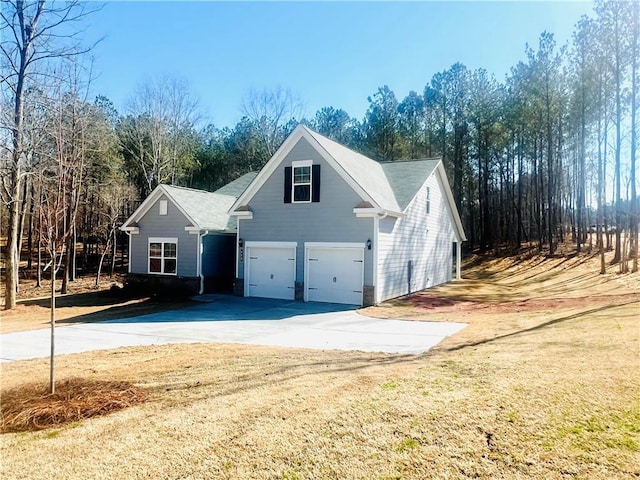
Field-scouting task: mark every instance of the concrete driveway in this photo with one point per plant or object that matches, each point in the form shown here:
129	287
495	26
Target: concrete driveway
228	319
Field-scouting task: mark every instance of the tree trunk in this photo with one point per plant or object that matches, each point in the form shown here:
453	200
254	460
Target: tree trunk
11	278
581	164
618	195
633	217
64	288
32	200
550	199
104	254
601	221
114	246
23	213
74	238
519	208
52	382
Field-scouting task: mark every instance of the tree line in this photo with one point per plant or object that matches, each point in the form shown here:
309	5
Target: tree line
541	157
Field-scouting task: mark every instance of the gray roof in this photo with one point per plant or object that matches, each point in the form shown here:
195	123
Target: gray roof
391	184
238	186
366	172
207	210
406	177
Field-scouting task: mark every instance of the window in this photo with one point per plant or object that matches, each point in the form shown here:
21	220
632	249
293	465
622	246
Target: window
163	207
163	255
428	203
302	184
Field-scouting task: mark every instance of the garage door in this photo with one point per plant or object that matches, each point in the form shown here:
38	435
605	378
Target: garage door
334	275
271	272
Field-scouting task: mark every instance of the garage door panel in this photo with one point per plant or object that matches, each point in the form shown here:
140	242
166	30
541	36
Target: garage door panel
335	275
271	272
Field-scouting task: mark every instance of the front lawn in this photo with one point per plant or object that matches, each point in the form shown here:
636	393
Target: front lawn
544	383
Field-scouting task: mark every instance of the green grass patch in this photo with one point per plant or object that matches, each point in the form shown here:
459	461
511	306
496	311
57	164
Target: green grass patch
619	430
391	385
407	445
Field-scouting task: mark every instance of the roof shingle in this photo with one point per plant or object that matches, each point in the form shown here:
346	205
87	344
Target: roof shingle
236	187
207	210
406	177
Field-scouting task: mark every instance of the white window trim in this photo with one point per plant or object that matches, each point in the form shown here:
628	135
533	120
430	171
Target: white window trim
298	164
161	240
302	163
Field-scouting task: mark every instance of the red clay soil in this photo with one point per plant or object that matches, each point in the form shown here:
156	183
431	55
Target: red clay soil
435	304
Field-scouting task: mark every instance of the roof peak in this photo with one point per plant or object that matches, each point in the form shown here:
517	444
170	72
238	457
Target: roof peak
194	190
402	160
411	160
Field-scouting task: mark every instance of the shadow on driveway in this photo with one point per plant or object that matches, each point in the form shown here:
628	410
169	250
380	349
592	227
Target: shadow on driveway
220	307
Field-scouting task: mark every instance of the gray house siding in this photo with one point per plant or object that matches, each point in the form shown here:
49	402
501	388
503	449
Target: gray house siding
171	225
330	220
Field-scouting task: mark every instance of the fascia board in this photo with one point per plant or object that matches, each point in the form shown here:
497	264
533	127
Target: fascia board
339	169
391	213
148	202
187	216
366	212
376	212
242	214
300	132
145	205
452	203
267	170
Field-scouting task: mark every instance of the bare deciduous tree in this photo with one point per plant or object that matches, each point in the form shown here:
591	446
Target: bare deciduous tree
158	135
112	196
55	233
33	35
271	110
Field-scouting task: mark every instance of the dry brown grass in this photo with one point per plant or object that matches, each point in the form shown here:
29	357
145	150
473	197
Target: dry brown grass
31	407
545	393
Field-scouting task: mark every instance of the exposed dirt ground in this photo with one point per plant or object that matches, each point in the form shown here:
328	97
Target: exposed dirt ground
499	296
543	384
84	303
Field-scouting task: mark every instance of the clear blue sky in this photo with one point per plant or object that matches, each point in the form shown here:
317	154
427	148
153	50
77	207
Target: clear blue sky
329	53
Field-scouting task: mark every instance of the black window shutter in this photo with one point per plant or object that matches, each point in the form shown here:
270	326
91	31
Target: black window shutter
315	183
287	184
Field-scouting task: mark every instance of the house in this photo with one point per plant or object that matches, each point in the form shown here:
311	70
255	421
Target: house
181	239
323	223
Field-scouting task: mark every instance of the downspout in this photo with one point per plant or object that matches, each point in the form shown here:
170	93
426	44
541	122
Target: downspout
201	235
129	253
458	260
376	259
237	248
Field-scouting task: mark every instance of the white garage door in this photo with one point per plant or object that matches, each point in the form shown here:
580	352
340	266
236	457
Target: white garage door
334	274
270	272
